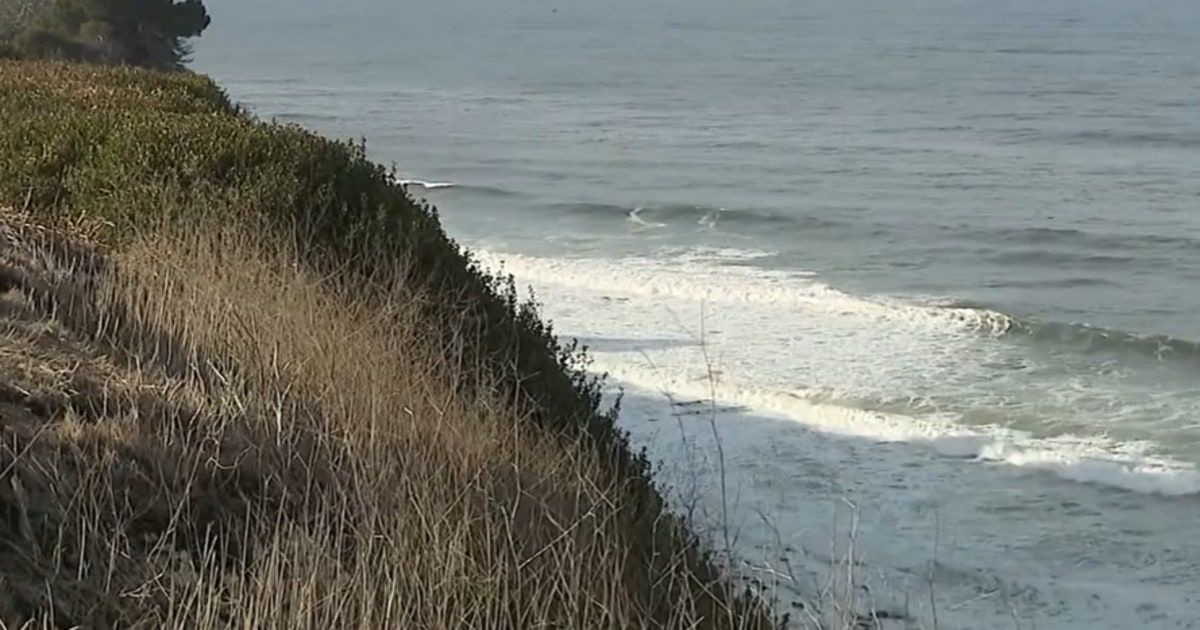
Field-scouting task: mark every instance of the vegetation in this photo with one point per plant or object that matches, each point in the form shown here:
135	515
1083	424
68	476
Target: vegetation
246	378
16	15
148	33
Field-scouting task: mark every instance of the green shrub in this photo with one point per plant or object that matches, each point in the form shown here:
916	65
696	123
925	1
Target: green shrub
109	146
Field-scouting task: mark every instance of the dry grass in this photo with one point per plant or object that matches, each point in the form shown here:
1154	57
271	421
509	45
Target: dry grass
198	432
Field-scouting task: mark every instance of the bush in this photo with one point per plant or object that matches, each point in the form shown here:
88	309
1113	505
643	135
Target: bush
107	146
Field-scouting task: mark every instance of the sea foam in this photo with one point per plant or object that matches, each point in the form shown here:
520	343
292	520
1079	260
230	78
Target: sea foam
425	184
784	296
1096	460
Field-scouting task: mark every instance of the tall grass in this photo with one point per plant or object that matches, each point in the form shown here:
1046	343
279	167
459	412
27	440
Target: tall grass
272	391
106	150
230	439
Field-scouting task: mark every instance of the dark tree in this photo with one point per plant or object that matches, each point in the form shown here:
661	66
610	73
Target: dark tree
18	15
139	32
150	33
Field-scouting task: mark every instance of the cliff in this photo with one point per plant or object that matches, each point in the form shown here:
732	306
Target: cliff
247	378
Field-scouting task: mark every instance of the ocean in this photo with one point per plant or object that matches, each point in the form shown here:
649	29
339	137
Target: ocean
929	271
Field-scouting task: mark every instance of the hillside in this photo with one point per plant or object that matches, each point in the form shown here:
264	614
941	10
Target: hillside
247	379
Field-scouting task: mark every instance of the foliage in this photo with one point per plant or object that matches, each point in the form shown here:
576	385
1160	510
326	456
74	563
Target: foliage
116	147
178	137
16	15
112	152
148	33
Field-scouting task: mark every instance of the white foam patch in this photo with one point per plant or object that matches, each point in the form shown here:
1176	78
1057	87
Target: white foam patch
725	254
635	217
796	348
1145	475
689	281
426	185
1095	460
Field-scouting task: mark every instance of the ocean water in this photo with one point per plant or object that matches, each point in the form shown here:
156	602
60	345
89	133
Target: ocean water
930	270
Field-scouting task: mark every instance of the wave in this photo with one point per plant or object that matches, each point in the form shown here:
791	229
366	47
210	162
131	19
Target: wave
304	117
1074	282
1044	257
723	255
1094	339
1113	138
1089	339
635	217
1098	461
478	189
691	277
1036	50
705	216
704	276
420	183
491	191
1088	242
1140	475
593	209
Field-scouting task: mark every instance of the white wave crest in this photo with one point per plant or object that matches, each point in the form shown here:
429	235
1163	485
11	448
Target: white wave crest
635	216
878	337
1145	475
1125	466
684	278
426	185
